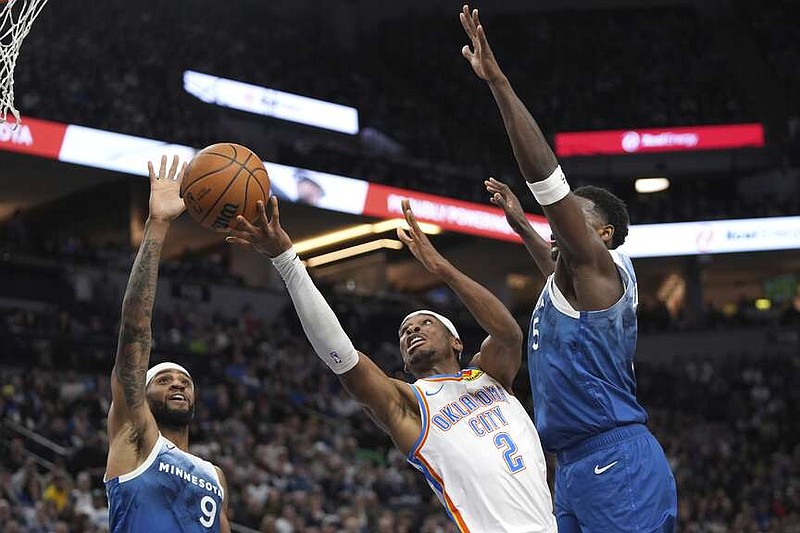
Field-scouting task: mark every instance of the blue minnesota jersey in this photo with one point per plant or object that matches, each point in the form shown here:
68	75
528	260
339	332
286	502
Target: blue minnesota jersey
581	365
172	491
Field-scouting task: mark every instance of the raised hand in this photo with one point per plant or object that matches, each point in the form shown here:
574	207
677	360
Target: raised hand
418	242
504	198
166	203
267	237
480	57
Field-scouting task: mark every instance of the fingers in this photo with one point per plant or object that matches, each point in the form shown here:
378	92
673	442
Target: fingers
411	219
467	53
469	21
493	185
181	172
163	167
482	41
498	200
245	225
466	22
173	168
151	171
404	237
237	240
274	212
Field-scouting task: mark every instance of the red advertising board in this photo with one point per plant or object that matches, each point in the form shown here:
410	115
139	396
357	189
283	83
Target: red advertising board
616	142
455	215
33	136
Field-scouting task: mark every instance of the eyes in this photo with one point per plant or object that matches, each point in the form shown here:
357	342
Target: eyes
166	380
425	322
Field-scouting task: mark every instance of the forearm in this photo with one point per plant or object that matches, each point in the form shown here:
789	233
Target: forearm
137	305
535	158
538	248
488	310
319	322
135	336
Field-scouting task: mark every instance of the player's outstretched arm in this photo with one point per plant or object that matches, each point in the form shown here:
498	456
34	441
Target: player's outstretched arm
579	244
501	352
129	411
538	248
390	402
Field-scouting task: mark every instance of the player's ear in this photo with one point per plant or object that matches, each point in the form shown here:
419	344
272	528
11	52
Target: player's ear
457	345
606	233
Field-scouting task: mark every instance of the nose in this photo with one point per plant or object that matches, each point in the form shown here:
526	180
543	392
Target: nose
177	385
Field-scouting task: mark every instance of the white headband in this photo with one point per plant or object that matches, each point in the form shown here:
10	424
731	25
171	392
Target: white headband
161	367
443	319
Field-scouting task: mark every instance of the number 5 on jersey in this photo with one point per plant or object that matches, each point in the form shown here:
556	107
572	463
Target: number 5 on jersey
535	333
514	462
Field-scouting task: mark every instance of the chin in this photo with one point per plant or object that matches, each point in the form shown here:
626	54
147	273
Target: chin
173	418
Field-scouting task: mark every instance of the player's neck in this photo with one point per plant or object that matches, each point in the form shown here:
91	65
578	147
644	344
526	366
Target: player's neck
449	367
178	436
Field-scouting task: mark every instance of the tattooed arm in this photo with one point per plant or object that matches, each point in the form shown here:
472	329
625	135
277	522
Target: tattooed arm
129	415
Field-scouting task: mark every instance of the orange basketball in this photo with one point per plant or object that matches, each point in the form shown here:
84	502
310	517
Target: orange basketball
222	181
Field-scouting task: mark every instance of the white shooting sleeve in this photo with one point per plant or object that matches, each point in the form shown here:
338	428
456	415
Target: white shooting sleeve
320	324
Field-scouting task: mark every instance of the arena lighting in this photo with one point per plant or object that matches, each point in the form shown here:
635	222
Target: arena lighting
358	249
353	232
763	304
648	185
271	102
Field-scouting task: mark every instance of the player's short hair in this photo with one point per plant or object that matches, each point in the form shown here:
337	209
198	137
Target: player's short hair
611	208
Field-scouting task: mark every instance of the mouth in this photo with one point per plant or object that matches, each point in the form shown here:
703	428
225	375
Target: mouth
414	342
178	397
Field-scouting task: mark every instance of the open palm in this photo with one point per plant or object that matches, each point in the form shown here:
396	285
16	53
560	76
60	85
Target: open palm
481	56
165	190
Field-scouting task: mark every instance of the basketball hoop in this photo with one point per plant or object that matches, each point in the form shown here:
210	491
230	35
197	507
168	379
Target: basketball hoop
16	20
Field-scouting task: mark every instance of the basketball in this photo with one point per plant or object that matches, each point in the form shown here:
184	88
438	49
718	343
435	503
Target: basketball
222	181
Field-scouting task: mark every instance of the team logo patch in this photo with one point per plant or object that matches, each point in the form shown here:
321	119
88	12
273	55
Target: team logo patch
471	374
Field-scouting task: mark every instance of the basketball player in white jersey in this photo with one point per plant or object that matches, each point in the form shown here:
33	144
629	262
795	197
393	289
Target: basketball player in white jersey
153	483
464	429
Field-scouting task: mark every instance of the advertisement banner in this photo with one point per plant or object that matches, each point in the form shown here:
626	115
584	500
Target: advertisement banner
455	215
682	139
33	136
270	102
713	237
130	154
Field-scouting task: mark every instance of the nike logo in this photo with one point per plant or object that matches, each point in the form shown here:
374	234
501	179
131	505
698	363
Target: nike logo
427	393
598	470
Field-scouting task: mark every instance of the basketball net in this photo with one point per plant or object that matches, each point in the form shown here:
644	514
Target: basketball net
15	22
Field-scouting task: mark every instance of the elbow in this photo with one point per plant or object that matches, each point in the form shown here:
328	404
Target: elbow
514	337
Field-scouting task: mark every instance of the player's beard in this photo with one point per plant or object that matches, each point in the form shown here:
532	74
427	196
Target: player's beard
422	357
171	418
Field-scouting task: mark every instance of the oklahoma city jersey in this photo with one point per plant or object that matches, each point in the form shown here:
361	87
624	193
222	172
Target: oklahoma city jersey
581	364
481	455
172	491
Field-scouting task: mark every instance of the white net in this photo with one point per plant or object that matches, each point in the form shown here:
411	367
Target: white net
15	23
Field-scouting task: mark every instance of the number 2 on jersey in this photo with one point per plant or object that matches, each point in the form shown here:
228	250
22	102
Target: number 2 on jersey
514	463
209	509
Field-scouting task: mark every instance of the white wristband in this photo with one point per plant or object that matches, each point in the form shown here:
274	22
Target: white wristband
320	324
552	189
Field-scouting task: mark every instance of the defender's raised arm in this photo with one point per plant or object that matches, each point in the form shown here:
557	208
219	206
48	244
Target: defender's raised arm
128	407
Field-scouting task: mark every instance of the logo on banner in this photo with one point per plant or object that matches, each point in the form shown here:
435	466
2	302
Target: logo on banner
703	238
631	141
21	135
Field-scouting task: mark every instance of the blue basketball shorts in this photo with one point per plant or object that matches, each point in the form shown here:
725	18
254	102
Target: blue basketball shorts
616	481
